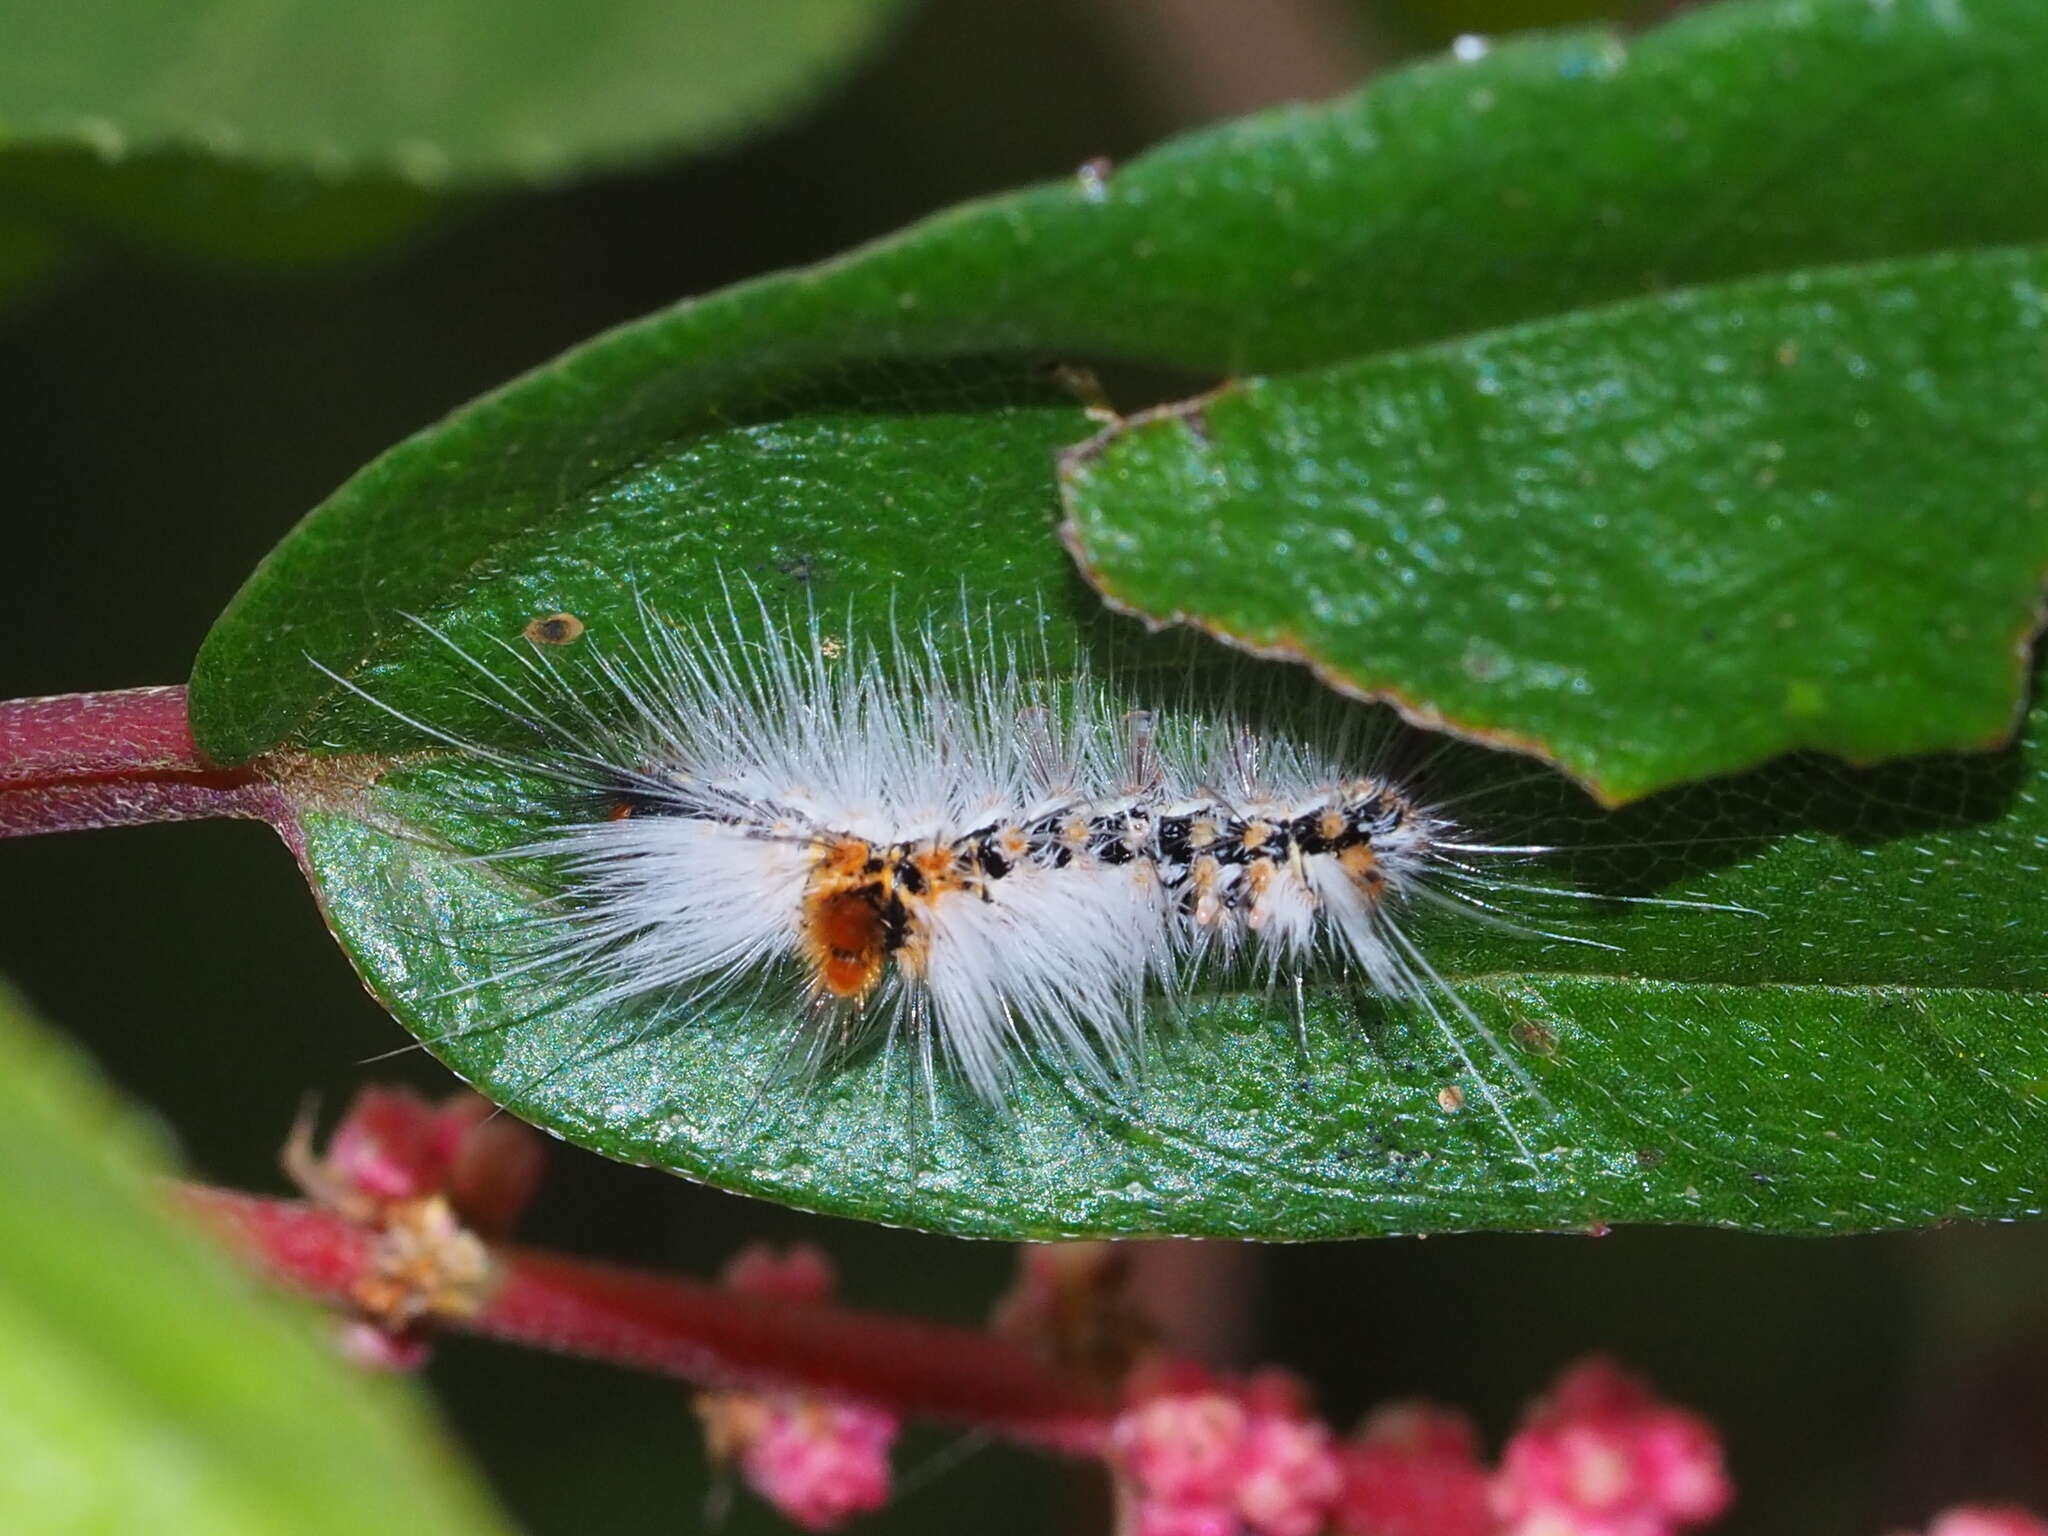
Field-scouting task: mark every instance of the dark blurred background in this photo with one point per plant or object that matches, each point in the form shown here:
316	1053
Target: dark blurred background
167	422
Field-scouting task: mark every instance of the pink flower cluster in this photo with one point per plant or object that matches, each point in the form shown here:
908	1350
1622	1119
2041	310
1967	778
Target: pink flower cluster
1600	1455
817	1458
393	1146
433	1179
1200	1457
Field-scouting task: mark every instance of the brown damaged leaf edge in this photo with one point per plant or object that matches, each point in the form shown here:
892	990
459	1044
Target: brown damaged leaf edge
1193	415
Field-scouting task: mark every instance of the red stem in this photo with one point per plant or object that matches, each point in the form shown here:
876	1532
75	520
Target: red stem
700	1333
127	757
119	759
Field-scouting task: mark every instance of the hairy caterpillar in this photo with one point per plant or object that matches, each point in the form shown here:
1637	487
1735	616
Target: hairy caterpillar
978	861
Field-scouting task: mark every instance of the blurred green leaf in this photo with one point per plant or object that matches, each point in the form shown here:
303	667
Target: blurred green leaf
193	208
267	133
148	1384
1438	21
434	91
1651	544
869	436
30	259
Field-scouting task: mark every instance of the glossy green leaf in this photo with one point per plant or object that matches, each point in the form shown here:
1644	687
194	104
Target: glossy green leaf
1866	1047
1865	1052
1665	540
147	1383
869	437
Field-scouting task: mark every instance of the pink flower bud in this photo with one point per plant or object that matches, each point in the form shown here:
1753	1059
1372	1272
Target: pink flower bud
1156	1519
1593	1388
1287	1476
392	1146
820	1461
1413	1469
374	1348
1680	1458
494	1163
385	1146
1600	1455
1988	1520
800	1273
1201	1458
1182	1448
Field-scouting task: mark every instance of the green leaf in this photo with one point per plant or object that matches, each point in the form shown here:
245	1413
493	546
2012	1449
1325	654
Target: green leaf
867	436
432	91
285	135
236	216
1651	544
1867	1048
1865	1053
30	260
148	1384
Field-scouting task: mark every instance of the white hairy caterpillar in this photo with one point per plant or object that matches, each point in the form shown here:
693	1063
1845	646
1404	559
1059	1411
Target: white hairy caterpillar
983	863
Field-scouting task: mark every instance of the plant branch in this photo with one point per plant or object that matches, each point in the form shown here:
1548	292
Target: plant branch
703	1334
121	758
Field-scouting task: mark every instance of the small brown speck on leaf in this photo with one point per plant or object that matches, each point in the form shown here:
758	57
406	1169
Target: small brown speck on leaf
554	629
1534	1038
1451	1097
